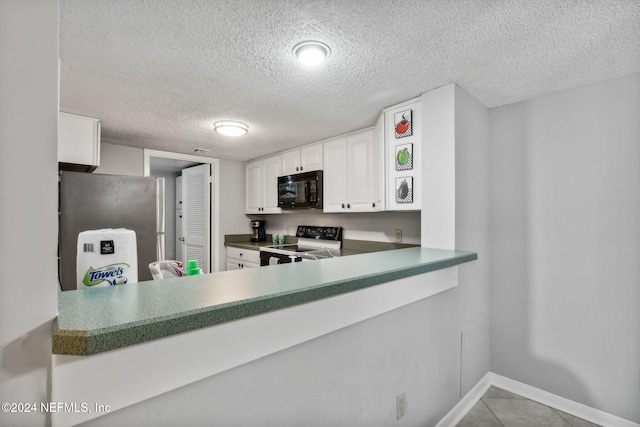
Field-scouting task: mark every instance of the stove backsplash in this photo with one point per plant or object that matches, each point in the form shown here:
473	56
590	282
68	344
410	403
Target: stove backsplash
376	226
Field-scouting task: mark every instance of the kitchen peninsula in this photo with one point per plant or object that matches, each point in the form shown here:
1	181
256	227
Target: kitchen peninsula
223	320
102	319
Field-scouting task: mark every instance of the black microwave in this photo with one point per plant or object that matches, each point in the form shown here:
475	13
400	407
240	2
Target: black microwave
300	191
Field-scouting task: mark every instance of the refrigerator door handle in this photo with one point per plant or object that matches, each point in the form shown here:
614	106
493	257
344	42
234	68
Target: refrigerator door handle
160	245
160	219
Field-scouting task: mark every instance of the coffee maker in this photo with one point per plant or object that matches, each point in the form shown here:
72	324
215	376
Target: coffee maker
257	231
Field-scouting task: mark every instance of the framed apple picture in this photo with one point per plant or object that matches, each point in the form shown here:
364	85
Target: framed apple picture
403	124
404	157
404	189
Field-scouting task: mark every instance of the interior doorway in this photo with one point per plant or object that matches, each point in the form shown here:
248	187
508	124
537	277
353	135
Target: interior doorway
170	166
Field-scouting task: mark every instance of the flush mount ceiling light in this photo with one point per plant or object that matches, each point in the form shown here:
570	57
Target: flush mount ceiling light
311	52
230	128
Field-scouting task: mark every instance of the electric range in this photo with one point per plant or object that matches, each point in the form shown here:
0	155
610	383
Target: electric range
314	243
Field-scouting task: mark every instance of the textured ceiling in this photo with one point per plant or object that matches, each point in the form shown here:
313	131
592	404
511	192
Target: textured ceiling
159	73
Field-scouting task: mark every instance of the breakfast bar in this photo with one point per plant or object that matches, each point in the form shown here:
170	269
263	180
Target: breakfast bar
159	336
102	319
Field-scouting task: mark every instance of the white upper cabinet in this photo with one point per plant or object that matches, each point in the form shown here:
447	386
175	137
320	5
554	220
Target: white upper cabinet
305	159
353	173
335	176
271	168
261	190
360	172
78	142
253	184
353	177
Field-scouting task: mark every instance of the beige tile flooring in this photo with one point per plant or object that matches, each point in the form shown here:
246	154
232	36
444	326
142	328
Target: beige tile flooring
501	408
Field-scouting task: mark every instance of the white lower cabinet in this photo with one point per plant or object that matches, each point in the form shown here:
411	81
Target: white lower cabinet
242	258
353	179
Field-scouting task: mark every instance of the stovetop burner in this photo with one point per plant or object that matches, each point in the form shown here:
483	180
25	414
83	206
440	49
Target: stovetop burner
313	243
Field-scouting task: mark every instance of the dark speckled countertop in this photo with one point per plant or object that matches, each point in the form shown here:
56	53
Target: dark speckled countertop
349	247
97	320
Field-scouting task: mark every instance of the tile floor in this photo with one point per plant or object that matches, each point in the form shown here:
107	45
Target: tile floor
501	408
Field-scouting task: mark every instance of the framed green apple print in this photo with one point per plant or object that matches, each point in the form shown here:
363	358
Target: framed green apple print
404	157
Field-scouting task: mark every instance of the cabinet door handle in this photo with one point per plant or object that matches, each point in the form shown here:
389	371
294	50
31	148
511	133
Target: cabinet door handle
343	206
297	168
300	167
373	205
348	205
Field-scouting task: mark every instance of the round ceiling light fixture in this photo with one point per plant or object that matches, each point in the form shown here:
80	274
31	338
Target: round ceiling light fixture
311	53
231	128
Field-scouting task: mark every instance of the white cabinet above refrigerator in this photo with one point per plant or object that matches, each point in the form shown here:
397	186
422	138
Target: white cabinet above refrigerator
78	142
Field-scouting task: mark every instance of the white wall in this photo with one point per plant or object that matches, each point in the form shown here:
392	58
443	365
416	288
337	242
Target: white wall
120	160
347	378
565	230
232	205
28	200
472	233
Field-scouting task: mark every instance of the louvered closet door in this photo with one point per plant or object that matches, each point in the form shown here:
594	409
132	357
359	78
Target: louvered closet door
196	215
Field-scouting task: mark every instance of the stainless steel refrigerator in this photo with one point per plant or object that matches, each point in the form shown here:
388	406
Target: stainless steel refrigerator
90	201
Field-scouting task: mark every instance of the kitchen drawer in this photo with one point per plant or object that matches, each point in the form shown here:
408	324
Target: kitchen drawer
234	264
246	255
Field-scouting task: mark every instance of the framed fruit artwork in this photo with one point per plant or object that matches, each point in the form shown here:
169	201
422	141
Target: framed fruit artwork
404	189
404	157
403	123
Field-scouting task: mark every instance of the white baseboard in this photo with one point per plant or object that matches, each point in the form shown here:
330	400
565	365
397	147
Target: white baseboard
554	401
467	402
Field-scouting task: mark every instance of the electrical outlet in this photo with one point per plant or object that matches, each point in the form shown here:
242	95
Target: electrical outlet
401	405
398	235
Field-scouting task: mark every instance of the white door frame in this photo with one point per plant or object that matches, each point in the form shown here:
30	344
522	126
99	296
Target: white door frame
215	198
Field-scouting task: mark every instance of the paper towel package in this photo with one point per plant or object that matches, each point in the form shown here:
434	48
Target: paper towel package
106	257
